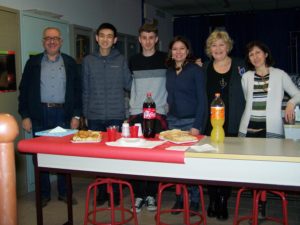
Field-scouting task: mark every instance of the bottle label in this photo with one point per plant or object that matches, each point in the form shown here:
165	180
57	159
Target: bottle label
217	112
149	113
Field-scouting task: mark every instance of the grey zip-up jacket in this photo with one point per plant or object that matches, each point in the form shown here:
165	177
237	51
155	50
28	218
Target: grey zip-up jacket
105	78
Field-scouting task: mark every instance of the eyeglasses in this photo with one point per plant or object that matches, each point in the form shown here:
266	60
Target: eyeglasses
54	39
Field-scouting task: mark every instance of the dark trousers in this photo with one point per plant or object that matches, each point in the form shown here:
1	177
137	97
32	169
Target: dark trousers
52	117
142	188
214	192
101	125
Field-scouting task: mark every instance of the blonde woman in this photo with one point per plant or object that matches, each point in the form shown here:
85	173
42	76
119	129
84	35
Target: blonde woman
223	74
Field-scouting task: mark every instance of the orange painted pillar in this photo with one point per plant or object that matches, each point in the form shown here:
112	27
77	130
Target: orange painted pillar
8	196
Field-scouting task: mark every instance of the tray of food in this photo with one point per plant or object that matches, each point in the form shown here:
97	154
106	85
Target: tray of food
86	136
177	136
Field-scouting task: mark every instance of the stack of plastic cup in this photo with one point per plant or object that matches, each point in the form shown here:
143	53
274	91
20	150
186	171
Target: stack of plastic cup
125	130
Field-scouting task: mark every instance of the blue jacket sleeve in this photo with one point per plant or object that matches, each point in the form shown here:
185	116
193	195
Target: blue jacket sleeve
201	100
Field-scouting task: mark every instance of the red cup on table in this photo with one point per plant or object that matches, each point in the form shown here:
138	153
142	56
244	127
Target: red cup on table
134	131
112	133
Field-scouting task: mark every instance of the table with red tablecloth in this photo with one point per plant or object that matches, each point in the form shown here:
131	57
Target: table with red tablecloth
64	146
252	162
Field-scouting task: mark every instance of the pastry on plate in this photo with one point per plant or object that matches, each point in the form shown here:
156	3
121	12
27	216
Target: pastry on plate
87	136
177	135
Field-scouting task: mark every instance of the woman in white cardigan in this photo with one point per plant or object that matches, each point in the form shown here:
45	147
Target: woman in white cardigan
264	87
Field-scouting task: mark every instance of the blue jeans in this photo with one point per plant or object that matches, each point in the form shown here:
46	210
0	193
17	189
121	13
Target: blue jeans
185	124
177	123
52	117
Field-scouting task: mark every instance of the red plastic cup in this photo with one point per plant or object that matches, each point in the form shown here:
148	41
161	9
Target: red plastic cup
134	131
111	133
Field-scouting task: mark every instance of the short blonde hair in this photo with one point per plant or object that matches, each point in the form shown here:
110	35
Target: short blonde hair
216	35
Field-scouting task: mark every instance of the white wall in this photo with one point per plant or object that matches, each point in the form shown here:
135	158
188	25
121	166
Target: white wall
124	14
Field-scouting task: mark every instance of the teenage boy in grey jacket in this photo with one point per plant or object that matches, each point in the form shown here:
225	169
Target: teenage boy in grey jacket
105	78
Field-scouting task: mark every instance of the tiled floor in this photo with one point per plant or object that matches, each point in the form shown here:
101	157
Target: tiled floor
55	213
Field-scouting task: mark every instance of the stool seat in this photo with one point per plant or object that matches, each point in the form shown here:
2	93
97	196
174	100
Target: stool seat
260	196
187	213
118	214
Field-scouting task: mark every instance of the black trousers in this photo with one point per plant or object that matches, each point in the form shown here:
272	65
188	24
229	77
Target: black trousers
143	188
214	192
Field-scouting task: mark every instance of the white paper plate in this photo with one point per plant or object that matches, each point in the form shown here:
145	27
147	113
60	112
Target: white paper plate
178	142
82	142
131	141
134	143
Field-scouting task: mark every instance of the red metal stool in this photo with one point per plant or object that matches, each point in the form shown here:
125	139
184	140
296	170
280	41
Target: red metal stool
260	195
126	214
180	189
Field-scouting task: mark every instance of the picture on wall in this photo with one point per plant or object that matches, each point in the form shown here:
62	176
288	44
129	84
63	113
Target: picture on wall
7	71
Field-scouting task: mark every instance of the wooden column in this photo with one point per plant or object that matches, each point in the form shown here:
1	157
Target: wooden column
8	201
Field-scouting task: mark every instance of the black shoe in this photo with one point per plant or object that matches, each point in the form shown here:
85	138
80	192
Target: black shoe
178	205
65	199
194	206
262	210
44	201
102	197
211	210
222	211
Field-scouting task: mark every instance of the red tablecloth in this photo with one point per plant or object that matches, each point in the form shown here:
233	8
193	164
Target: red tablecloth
63	146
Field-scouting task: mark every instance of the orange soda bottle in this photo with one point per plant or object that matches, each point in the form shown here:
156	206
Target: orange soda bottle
217	119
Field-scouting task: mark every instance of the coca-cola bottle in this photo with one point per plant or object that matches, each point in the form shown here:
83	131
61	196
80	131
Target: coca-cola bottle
149	116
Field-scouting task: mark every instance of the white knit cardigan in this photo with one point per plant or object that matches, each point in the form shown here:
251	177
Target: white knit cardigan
279	82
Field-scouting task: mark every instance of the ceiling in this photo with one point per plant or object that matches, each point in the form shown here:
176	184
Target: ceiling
194	7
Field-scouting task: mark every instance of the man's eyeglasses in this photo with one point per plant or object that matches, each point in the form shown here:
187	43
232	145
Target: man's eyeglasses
54	39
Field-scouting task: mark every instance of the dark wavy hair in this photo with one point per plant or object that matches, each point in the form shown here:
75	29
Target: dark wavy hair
170	63
262	46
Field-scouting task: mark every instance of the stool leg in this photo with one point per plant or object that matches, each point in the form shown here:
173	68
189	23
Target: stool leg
91	188
255	213
202	204
237	206
159	198
237	219
94	204
186	208
87	206
120	187
254	206
282	196
112	205
161	188
132	203
284	211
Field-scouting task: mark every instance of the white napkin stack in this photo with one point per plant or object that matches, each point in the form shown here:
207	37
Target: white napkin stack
57	129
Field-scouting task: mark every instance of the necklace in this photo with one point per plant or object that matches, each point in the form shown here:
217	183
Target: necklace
223	83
